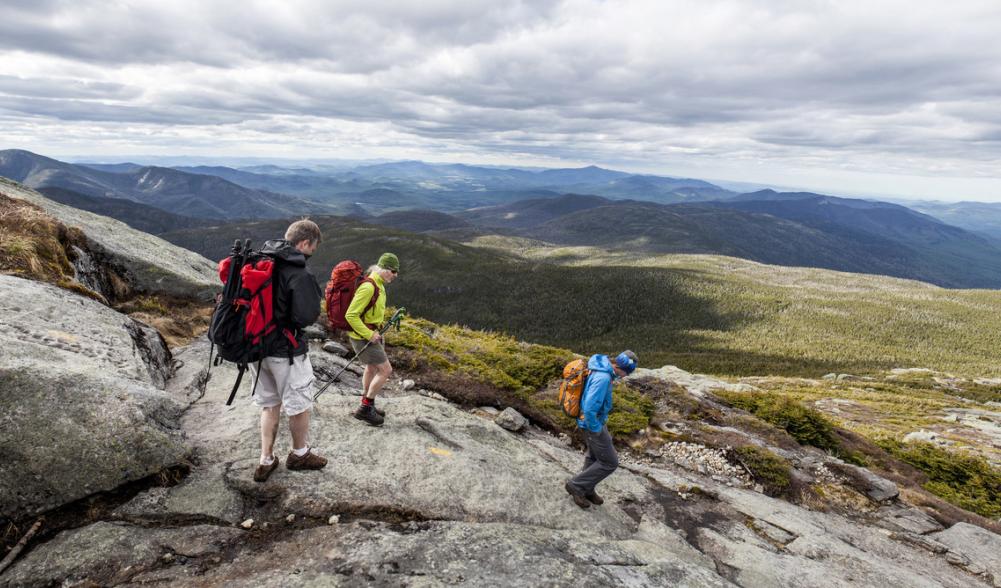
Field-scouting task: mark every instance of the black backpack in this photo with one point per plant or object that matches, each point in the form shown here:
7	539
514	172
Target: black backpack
243	318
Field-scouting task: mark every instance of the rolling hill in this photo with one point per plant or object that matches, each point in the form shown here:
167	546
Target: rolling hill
704	313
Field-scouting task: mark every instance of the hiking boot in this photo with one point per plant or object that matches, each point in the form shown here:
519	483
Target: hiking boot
310	461
594	498
369	414
578	498
263	472
379	411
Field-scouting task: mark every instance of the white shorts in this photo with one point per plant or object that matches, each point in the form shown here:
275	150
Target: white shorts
282	383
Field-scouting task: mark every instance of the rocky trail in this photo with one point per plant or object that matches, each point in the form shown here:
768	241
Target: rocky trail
444	495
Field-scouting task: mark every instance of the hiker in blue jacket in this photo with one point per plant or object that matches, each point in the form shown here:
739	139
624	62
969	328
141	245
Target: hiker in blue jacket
595	404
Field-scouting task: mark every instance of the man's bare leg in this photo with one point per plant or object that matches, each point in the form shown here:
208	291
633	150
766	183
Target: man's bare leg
299	425
269	431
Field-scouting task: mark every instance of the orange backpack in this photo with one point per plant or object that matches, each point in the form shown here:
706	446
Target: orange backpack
572	387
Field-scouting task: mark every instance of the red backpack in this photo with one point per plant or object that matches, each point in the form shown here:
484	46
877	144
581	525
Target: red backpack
344	281
244	315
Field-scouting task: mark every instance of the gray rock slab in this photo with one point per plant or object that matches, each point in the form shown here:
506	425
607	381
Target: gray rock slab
150	263
979	545
452	465
47	326
202	496
876	487
445	553
111	553
906	519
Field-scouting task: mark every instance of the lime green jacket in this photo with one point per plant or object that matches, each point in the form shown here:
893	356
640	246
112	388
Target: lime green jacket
375	316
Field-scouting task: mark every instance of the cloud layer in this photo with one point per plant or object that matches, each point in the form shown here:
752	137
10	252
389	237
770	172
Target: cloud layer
838	93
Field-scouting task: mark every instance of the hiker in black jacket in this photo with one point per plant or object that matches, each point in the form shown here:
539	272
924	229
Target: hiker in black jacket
285	381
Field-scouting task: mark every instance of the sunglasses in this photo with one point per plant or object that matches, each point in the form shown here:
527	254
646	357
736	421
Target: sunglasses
394	272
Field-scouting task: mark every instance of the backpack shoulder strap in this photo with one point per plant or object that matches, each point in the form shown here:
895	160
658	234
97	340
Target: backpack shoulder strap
375	294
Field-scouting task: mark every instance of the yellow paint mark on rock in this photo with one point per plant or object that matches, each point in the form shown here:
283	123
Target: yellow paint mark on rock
441	452
64	336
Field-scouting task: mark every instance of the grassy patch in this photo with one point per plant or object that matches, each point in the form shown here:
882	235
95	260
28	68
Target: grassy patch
963	479
32	244
179	321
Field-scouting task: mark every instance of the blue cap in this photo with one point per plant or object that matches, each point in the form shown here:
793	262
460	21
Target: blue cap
626	361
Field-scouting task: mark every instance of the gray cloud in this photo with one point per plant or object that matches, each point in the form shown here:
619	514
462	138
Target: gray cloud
813	84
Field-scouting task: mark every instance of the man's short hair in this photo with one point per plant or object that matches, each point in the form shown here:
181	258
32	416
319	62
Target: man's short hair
303	230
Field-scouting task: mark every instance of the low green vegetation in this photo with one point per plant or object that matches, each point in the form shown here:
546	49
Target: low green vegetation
631	411
962	478
493	358
806	425
771	471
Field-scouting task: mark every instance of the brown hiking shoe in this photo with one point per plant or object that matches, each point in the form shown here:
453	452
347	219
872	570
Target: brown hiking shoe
594	498
578	498
310	461
263	472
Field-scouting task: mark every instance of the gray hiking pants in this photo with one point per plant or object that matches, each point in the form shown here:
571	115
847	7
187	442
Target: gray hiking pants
599	461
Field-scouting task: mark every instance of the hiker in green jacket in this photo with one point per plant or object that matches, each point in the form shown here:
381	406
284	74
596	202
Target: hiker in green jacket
365	338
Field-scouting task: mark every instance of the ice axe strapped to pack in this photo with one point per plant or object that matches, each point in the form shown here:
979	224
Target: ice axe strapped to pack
393	321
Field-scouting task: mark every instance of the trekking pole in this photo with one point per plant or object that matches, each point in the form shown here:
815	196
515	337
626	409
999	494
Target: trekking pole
393	321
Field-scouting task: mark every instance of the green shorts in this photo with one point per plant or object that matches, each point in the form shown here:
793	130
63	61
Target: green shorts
375	354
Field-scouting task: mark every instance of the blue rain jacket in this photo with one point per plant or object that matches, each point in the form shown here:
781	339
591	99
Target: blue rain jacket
596	400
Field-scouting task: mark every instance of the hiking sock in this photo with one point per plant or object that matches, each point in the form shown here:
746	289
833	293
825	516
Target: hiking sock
266	461
366	401
301	452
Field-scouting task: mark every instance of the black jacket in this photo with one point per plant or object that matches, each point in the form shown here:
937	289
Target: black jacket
296	296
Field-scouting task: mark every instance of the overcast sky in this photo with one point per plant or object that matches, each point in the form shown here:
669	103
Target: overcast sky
871	97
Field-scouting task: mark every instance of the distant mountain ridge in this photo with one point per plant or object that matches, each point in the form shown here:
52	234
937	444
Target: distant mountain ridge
791	229
201	196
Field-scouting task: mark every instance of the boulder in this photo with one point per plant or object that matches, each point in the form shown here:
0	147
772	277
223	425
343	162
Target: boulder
336	348
511	420
81	399
876	487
